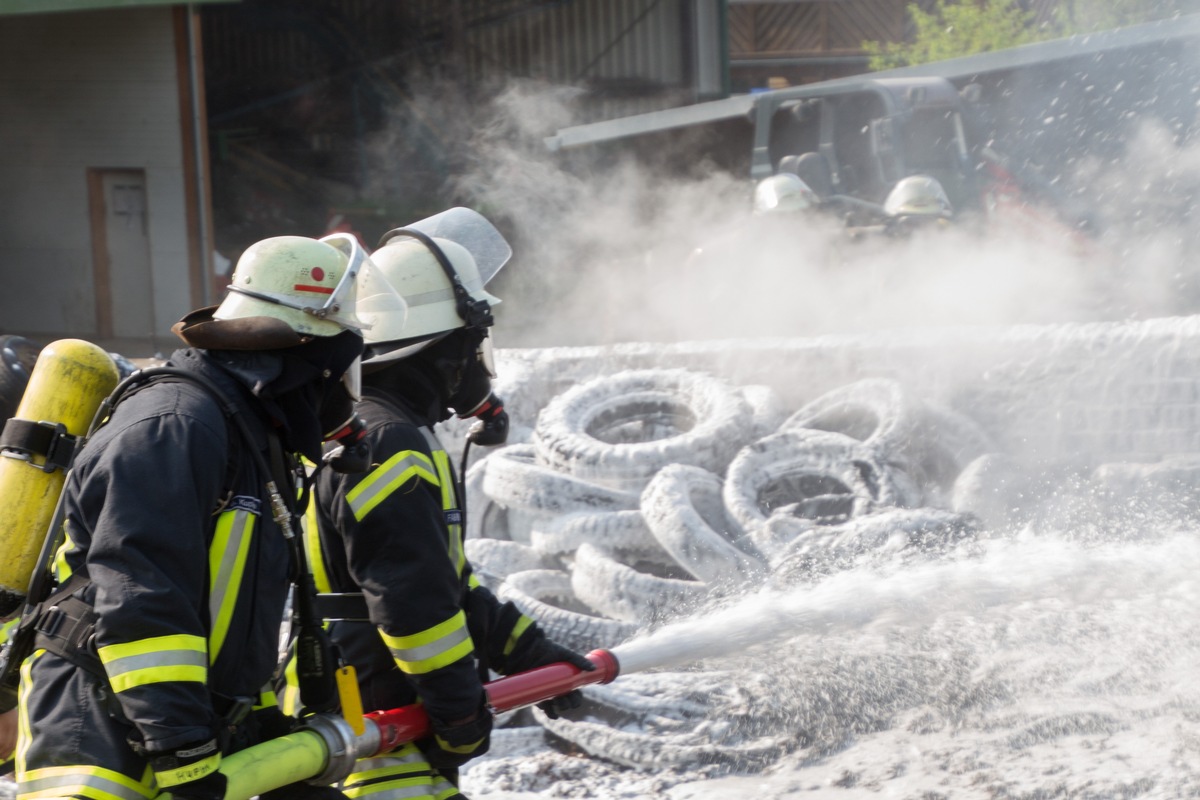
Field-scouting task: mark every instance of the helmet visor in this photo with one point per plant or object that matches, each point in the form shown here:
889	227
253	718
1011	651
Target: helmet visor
362	292
471	230
487	356
352	379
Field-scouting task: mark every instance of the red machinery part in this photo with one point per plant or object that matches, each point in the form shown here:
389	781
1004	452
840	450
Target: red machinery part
409	723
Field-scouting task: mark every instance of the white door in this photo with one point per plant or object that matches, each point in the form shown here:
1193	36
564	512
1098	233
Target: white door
126	251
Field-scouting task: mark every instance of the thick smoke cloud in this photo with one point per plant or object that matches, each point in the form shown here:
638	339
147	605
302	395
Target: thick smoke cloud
624	252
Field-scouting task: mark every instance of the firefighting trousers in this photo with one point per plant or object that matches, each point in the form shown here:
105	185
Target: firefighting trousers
402	774
72	737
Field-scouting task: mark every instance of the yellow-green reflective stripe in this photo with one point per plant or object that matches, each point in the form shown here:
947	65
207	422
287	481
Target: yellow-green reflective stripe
226	564
403	764
443	788
406	757
311	535
62	572
449	500
6	629
418	787
180	657
432	648
96	783
266	699
515	634
402	761
291	694
24	732
473	582
461	749
391	475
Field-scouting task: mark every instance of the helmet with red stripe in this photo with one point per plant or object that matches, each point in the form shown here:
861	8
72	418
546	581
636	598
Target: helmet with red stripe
288	289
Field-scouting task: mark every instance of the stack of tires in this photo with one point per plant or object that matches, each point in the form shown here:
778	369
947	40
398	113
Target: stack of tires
650	495
644	495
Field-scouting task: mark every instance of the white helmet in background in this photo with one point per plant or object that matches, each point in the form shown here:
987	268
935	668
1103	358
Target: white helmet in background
784	192
440	266
918	196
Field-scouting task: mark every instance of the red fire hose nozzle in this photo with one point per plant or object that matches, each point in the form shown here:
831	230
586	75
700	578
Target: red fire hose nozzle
409	723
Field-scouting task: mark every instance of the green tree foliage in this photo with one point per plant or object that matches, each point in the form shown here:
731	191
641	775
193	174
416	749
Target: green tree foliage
953	28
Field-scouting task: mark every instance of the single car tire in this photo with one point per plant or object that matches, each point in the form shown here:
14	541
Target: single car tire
643	593
610	530
620	430
875	411
485	518
501	558
766	409
946	441
823	550
666	719
685	511
516	480
547	597
796	465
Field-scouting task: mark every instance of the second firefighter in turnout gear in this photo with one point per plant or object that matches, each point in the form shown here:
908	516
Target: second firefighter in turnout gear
424	629
158	654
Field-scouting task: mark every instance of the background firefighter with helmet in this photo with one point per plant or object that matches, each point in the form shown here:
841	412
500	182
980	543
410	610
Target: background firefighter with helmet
157	657
423	628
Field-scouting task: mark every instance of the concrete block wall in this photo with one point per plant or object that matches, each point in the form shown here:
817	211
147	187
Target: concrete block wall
1124	391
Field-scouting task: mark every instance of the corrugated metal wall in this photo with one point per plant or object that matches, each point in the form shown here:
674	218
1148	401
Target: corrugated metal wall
631	55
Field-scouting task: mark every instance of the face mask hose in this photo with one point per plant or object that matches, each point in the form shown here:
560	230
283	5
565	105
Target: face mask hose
352	454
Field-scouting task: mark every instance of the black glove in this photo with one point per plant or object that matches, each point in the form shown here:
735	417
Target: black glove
455	743
555	707
533	650
271	723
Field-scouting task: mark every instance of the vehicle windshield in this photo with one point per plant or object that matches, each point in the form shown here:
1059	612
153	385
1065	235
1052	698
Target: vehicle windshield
934	145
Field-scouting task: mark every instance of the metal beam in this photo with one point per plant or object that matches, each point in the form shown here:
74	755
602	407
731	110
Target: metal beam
8	7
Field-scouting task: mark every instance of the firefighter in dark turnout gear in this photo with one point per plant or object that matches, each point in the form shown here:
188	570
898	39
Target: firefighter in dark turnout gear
426	631
158	656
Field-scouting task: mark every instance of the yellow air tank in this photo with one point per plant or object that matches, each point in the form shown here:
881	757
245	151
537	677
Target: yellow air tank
69	380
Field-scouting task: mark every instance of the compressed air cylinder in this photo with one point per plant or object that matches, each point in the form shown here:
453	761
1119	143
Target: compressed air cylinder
69	380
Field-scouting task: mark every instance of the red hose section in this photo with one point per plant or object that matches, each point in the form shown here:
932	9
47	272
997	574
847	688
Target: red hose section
409	723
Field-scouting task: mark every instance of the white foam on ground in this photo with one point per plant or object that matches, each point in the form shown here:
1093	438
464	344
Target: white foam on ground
1035	669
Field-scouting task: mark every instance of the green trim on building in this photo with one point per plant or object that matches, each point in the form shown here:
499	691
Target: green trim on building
47	6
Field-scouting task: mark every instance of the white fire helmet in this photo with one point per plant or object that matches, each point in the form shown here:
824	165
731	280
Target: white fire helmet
784	192
312	285
408	259
918	196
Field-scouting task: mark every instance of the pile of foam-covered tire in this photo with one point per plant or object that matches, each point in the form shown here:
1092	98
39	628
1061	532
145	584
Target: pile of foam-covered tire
643	495
646	495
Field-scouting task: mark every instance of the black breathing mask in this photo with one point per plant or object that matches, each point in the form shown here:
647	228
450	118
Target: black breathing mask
463	362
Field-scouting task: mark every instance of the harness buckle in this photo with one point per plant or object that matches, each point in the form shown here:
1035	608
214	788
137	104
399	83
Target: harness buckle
51	620
239	708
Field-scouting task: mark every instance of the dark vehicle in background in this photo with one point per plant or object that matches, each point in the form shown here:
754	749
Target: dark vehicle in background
851	140
867	135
